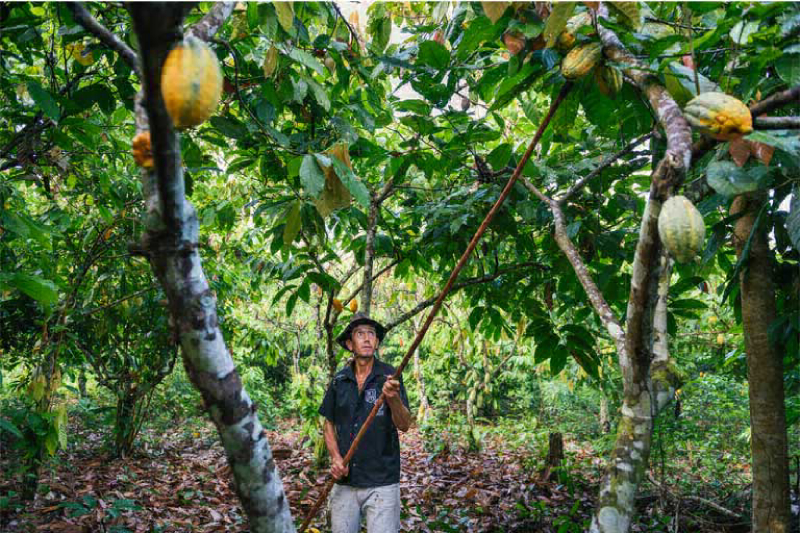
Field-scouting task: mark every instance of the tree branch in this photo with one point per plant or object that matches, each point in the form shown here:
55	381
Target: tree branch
578	185
466	283
205	28
776	123
90	24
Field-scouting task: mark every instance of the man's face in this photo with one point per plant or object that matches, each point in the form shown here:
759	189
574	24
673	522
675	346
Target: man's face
363	341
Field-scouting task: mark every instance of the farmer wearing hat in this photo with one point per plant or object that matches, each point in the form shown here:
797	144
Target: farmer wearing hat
369	485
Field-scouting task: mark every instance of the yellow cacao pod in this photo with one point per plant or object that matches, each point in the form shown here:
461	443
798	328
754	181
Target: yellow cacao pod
581	60
337	305
142	150
191	83
721	339
353	306
681	228
608	80
723	117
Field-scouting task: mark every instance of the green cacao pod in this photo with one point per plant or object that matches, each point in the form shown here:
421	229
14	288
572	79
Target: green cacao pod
723	117
191	83
581	60
681	228
608	80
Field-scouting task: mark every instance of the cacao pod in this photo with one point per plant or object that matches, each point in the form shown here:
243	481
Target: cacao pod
581	60
565	41
681	228
721	339
191	83
337	305
723	117
353	306
608	80
142	150
514	42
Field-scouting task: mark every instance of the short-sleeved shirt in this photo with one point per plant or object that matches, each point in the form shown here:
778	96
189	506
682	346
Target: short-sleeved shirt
377	460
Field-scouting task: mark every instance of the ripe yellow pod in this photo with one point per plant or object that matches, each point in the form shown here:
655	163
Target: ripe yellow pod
191	83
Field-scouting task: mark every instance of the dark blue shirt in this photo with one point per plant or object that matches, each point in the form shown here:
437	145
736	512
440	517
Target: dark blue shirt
377	460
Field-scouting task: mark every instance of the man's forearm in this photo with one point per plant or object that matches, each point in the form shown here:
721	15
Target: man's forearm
329	432
400	414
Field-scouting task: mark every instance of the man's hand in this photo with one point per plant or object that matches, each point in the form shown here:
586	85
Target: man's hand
400	415
338	468
391	389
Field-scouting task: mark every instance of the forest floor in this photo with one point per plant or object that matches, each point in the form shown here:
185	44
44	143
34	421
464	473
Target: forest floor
180	481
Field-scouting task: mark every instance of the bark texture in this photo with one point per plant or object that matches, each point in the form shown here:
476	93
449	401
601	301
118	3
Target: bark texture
768	441
170	243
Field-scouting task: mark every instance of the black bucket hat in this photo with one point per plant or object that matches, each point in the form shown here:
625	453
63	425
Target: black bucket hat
359	319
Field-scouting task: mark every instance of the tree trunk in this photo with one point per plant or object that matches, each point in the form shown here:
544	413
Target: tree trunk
369	256
605	424
126	423
170	243
555	454
768	439
82	381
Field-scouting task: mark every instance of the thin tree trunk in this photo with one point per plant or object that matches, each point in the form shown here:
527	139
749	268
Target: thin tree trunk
369	256
768	439
605	424
170	243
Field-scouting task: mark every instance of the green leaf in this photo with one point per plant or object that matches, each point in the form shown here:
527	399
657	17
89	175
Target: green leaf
285	11
629	12
380	27
229	127
433	54
793	220
349	180
558	360
306	59
38	288
320	94
741	33
786	140
729	180
11	428
679	81
293	222
500	156
311	176
44	100
557	21
788	68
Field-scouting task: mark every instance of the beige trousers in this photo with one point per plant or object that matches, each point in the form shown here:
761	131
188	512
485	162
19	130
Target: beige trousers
380	506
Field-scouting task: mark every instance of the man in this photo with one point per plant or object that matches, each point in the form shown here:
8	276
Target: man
369	485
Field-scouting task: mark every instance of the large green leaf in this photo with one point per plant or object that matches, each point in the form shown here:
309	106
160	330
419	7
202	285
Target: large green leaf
285	11
311	176
38	288
729	180
557	21
433	54
306	59
356	188
44	99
